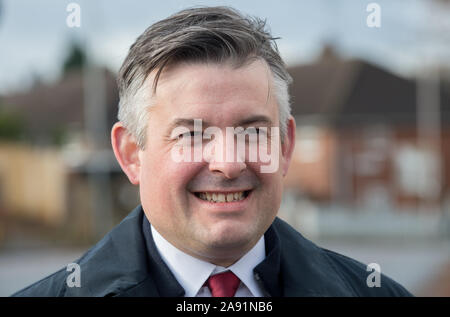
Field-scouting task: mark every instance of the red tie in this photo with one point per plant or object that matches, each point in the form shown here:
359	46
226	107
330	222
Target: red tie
223	284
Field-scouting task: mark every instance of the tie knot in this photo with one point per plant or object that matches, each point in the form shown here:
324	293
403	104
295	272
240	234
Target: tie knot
223	284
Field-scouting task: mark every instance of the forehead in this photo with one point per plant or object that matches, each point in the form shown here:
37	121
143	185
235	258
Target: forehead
215	90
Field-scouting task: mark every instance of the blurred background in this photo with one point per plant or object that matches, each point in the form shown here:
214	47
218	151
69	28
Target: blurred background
370	176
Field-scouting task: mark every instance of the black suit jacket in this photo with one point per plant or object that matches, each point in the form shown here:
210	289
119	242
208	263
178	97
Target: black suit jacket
126	263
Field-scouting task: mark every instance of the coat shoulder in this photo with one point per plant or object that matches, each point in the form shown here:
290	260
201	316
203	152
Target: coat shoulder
109	267
359	277
50	286
332	274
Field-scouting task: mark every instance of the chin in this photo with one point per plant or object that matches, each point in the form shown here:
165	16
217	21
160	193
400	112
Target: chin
230	236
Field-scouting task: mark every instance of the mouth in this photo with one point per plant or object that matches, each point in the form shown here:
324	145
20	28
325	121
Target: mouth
223	197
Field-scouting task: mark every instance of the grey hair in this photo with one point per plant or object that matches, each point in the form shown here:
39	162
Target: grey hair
202	34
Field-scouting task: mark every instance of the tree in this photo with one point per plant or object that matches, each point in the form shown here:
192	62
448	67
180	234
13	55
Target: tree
12	126
75	59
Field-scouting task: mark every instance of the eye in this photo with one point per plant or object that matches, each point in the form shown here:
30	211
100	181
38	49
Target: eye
246	131
253	130
190	134
264	131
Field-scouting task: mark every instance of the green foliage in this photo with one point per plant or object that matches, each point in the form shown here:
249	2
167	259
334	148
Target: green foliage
12	126
58	135
75	59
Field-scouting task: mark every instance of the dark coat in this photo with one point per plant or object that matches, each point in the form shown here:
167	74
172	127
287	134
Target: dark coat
126	263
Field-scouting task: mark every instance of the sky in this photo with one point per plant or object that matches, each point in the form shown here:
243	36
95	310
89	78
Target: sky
34	35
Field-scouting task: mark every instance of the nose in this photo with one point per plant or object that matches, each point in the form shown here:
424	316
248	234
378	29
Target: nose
225	160
228	169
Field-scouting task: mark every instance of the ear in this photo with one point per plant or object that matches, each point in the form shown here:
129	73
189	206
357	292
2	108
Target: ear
287	147
126	151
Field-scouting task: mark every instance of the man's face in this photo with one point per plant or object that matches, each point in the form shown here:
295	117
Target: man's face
174	194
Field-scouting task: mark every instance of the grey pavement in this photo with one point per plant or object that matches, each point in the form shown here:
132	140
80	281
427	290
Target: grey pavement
21	267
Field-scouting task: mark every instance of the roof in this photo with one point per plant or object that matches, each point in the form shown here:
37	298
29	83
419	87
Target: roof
352	92
59	105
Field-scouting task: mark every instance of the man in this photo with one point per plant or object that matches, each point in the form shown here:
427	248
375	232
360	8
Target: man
205	131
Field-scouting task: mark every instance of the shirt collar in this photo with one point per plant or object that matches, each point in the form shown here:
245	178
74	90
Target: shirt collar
192	273
243	268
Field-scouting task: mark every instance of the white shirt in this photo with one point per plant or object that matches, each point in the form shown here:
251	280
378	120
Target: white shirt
192	273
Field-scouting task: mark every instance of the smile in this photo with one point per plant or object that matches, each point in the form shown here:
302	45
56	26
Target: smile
218	197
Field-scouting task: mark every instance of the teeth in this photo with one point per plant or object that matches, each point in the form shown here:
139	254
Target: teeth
221	198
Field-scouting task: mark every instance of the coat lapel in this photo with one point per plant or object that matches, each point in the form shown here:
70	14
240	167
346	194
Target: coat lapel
126	262
305	268
120	265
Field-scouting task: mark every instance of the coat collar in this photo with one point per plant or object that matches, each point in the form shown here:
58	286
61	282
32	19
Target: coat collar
126	263
305	268
117	263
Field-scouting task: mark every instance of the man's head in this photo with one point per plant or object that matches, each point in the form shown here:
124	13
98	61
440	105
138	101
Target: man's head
215	65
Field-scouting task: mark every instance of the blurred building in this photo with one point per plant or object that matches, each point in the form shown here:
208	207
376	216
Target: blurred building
45	174
358	144
359	141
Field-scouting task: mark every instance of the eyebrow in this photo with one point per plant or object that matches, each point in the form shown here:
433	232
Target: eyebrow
184	122
255	119
190	122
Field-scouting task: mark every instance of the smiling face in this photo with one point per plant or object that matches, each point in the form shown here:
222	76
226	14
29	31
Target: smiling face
215	210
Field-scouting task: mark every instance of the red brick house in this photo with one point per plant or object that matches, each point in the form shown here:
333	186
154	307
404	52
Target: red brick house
358	140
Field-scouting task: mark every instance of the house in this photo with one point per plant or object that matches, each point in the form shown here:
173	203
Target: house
363	139
57	176
55	110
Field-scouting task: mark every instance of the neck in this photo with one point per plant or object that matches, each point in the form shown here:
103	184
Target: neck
221	256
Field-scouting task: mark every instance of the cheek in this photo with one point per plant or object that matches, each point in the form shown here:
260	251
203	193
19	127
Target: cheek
164	181
271	184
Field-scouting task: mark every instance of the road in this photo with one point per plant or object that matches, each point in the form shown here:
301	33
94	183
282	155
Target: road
414	265
19	268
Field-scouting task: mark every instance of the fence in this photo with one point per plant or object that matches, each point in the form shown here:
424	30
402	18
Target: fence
32	183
